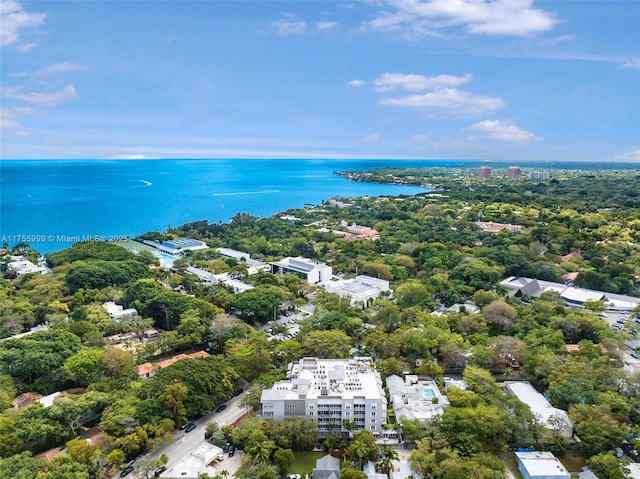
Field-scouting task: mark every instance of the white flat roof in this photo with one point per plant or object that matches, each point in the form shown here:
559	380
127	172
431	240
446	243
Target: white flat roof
540	463
581	295
537	402
343	378
191	465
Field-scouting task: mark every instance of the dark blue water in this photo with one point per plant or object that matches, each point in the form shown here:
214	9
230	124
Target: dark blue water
54	202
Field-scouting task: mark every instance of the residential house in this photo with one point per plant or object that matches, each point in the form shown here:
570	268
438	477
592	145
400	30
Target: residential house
540	465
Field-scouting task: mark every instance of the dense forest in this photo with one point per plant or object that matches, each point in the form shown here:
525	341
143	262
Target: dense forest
583	225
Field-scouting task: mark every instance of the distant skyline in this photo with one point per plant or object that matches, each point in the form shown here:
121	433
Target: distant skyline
505	80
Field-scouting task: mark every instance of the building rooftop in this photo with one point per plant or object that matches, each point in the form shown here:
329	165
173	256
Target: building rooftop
359	288
578	295
300	264
538	404
147	368
616	302
25	399
195	463
185	243
414	398
542	463
314	378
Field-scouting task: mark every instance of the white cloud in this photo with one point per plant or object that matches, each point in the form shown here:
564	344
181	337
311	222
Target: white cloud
20	134
7	123
631	155
558	39
289	26
40	98
58	67
631	64
25	47
55	68
371	138
326	25
454	101
413	82
13	19
356	83
489	17
504	131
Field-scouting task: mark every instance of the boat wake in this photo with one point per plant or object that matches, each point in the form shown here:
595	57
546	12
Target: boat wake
144	183
246	193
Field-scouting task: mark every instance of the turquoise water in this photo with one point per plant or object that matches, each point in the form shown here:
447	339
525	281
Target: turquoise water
429	393
51	203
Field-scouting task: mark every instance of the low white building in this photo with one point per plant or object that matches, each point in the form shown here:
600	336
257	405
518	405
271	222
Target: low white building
540	465
573	297
177	247
413	398
21	266
550	417
117	312
241	257
313	272
576	297
331	391
199	461
361	290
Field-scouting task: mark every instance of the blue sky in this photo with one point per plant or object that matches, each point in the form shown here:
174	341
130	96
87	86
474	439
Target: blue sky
506	80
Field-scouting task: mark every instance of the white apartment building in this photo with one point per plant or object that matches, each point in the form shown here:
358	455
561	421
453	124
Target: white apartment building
330	391
311	271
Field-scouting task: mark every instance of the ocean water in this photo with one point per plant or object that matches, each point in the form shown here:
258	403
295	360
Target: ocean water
51	204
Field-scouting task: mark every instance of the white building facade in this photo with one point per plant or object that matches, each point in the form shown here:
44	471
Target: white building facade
313	272
338	393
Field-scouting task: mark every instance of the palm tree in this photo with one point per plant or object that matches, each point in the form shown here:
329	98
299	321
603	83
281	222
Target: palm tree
261	451
389	455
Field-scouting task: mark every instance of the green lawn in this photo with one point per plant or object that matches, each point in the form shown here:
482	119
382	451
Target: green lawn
305	461
572	461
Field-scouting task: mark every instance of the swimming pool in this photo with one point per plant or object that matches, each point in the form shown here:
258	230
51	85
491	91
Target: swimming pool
429	393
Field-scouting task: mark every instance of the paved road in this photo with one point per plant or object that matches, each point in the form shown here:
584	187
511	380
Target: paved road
184	442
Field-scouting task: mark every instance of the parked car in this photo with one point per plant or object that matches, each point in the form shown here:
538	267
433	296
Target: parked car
226	447
190	427
126	471
220	457
222	407
237	392
159	471
232	450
